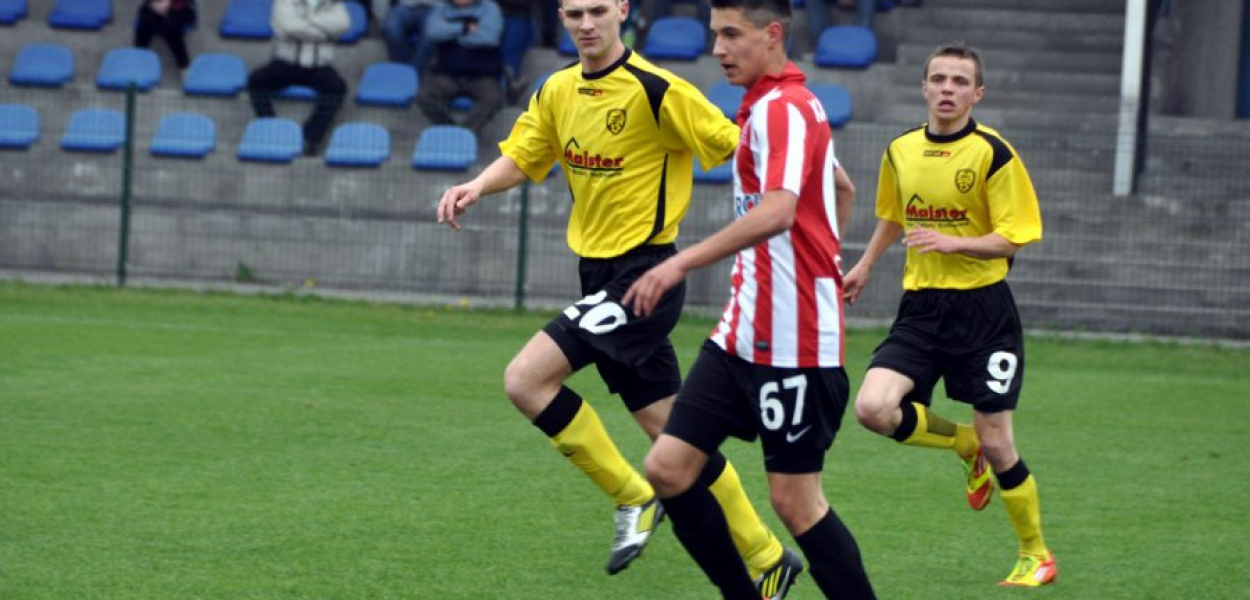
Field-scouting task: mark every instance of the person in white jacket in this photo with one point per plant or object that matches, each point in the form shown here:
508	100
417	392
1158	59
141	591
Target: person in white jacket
304	33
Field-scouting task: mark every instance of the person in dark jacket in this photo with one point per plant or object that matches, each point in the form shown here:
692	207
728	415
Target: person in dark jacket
468	61
170	19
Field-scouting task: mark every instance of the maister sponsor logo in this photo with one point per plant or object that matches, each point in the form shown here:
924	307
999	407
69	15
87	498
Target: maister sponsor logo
584	160
917	211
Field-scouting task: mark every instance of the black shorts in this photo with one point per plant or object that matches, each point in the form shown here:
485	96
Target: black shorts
969	338
795	412
634	355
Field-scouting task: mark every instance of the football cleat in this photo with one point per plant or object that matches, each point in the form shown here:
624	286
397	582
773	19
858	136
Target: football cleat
1032	571
634	526
775	583
980	482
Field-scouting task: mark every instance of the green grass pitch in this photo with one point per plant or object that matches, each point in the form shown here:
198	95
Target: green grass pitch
174	445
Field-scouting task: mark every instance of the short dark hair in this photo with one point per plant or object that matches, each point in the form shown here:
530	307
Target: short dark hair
957	49
760	12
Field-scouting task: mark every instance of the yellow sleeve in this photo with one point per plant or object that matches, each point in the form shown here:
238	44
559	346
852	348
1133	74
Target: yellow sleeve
1014	211
691	122
532	142
889	208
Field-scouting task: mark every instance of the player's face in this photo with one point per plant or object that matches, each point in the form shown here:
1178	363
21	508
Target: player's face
595	27
741	47
950	90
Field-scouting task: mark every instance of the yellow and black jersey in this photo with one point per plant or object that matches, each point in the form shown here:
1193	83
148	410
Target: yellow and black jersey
966	184
627	137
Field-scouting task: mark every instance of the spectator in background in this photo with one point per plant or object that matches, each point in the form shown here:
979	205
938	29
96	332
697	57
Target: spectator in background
403	26
515	10
549	18
304	33
467	61
170	19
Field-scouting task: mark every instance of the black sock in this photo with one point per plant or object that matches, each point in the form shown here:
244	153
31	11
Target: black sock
834	559
699	524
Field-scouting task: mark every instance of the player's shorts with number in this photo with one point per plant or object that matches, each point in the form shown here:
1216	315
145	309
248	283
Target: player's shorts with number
634	355
972	339
796	413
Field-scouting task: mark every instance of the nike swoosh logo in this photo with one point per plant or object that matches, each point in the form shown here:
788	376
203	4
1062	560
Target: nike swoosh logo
794	437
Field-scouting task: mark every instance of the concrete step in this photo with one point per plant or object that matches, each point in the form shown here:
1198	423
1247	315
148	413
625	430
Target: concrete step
999	79
1077	61
991	41
1065	6
973	20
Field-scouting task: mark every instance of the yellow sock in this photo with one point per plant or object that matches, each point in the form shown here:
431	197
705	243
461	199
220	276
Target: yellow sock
933	431
585	443
1025	509
757	545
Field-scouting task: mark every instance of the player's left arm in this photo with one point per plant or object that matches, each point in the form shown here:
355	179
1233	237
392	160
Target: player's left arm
773	215
690	121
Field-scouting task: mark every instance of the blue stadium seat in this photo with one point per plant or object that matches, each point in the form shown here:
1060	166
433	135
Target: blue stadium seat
298	92
727	97
19	126
719	174
81	14
846	46
184	134
518	36
836	100
387	84
215	74
12	11
44	65
94	130
124	66
446	148
358	145
565	46
271	139
247	19
461	104
676	38
360	21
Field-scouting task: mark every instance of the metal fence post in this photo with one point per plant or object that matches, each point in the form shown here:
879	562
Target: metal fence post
522	247
123	236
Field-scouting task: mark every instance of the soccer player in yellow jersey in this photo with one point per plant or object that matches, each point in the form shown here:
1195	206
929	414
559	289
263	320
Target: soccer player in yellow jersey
626	134
962	201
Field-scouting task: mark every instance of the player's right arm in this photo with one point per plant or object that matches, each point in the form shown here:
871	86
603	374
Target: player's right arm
887	232
499	176
853	284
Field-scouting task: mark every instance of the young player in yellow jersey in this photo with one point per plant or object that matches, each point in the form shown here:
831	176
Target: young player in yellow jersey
962	201
626	134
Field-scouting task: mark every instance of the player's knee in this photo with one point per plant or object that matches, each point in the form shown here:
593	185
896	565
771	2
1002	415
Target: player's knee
873	412
520	386
798	513
667	477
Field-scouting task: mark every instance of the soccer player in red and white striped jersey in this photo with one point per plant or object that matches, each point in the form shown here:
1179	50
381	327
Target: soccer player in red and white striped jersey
772	367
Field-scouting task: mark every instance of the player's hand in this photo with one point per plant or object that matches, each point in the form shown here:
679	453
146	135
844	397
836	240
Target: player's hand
929	240
643	296
854	282
455	201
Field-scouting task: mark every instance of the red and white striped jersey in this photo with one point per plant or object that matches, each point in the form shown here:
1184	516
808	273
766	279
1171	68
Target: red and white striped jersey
785	304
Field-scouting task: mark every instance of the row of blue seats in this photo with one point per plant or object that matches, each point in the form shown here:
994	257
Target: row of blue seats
244	19
224	74
211	74
266	139
669	38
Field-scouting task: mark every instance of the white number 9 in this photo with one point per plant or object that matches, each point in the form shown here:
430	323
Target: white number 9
1002	367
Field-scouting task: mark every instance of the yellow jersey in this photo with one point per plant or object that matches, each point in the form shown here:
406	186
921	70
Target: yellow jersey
627	137
965	184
